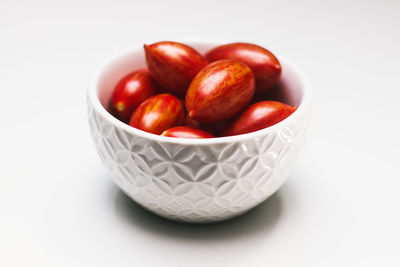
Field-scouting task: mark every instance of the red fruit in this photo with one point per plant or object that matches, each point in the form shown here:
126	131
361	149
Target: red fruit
186	132
173	65
259	116
158	113
219	91
130	91
213	128
263	63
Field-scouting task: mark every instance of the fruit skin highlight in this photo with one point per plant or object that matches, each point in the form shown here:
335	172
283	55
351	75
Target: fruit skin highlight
265	66
131	91
259	116
186	132
173	65
219	91
158	113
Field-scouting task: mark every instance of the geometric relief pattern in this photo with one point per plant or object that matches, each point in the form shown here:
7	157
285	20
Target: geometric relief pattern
198	183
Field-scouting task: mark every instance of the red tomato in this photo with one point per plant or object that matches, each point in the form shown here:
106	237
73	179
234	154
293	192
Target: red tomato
131	91
259	116
219	91
186	132
158	113
263	63
173	65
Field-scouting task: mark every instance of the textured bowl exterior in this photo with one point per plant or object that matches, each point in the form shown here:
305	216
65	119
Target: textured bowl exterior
198	181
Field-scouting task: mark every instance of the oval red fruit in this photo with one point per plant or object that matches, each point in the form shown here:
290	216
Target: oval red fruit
259	116
263	63
219	91
131	91
186	132
158	113
173	65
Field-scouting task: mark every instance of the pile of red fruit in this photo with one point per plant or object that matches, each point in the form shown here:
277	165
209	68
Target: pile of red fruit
186	95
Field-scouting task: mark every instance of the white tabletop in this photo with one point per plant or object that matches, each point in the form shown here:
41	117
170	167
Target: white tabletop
340	207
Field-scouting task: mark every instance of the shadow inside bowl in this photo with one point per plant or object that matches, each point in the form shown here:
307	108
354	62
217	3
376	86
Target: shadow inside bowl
260	220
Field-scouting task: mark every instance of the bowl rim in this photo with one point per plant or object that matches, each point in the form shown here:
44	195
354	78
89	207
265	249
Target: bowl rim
93	98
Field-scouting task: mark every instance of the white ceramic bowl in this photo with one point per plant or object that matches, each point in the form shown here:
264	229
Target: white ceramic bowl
196	180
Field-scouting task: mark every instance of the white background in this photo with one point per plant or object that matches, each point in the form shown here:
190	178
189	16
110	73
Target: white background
340	207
